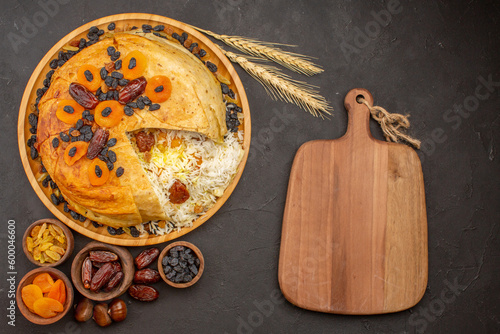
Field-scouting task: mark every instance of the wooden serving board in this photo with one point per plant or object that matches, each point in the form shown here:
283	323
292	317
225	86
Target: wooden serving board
354	238
126	21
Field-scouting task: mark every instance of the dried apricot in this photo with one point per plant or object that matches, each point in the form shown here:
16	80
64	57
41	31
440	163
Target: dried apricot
98	172
134	65
44	281
159	89
75	151
47	307
108	113
58	291
31	293
69	111
88	75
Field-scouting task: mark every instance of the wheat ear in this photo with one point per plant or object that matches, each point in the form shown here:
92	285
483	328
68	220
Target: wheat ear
294	61
280	86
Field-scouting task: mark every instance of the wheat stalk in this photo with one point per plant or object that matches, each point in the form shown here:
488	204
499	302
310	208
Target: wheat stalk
294	61
281	86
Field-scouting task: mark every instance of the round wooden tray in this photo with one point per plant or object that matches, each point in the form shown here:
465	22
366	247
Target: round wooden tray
32	168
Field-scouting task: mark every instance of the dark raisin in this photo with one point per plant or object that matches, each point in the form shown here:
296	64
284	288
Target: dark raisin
52	184
132	104
66	209
114	85
117	75
72	152
159	89
197	262
55	142
111	26
166	269
192	46
211	66
110	95
69	109
53	64
224	87
88	75
111	50
133	28
39	92
193	269
112	156
45	183
171	275
98	92
119	171
154	106
92	37
147	27
132	63
61	62
90	118
176	36
103	158
134	232
128	111
96	224
123	82
43	169
93	30
32	130
140	105
183	38
159	27
54	199
110	165
33	119
111	142
119	231
98	171
203	53
82	218
106	112
82	43
49	74
115	56
46	82
100	32
79	124
103	73
74	215
104	151
173	262
88	136
64	137
111	230
118	64
231	94
146	100
102	97
85	129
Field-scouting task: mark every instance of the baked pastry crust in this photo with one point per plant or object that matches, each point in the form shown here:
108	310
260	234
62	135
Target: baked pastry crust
196	104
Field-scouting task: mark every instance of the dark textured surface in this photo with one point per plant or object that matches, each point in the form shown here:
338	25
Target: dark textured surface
428	60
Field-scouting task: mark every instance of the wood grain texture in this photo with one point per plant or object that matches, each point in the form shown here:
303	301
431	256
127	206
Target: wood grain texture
354	237
32	168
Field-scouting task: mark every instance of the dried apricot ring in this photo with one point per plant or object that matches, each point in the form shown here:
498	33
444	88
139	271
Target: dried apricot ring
44	281
69	111
108	113
98	172
75	151
159	89
88	75
58	291
31	293
47	307
134	65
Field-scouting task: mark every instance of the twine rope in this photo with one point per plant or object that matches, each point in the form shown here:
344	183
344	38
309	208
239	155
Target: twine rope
392	124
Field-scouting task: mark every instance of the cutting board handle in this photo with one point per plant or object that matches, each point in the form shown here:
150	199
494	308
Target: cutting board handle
359	115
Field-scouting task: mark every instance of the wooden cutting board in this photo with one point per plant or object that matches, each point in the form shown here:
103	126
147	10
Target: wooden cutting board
354	238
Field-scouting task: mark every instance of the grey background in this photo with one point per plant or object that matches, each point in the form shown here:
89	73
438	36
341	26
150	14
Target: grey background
429	58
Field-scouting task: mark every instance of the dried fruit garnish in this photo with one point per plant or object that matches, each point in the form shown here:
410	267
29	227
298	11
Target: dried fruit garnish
98	142
83	96
132	90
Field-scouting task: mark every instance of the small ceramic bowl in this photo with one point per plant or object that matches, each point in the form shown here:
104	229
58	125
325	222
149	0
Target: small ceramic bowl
69	242
28	279
195	250
127	263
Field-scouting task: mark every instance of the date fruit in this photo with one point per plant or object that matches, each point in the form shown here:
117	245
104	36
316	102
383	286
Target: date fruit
102	256
146	276
83	96
132	90
114	281
86	272
97	143
102	277
146	257
143	293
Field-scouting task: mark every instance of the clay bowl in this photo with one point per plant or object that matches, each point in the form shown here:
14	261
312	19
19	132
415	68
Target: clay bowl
28	279
126	261
195	250
69	241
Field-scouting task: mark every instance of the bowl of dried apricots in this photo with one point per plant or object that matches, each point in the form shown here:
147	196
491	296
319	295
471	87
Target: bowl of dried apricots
48	242
44	295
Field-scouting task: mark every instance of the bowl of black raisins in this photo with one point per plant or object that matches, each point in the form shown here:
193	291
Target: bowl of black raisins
181	264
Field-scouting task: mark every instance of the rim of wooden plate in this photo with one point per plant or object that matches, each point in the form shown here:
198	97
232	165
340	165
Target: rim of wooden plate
70	242
29	96
28	279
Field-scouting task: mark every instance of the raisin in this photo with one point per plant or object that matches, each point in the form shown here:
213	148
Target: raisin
98	171
118	64
147	27
132	90
53	64
106	112
111	26
178	193
211	66
154	106
72	152
82	96
134	232
159	89
143	293
88	75
33	119
96	224
54	199
69	109
117	75
115	56
132	63
202	53
55	142
110	165
159	27
224	87
111	142
112	156
111	50
119	171
146	100
146	257
111	230
144	141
